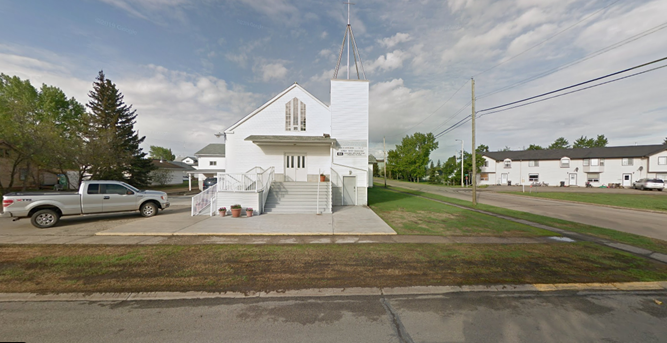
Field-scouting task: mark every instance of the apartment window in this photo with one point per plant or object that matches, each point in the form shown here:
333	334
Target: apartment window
602	162
295	115
565	162
533	163
533	177
593	177
587	162
486	163
212	163
662	160
4	153
484	176
627	161
508	163
23	174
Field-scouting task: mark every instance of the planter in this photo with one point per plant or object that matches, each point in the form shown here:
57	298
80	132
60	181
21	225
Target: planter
323	178
248	214
236	212
222	213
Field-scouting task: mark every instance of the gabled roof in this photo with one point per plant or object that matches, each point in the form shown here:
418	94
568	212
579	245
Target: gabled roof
582	153
372	159
214	149
172	165
253	113
190	157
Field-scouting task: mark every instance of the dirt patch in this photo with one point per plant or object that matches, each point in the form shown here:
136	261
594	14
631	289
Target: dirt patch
276	267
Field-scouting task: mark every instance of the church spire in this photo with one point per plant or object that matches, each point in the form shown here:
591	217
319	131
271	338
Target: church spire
349	38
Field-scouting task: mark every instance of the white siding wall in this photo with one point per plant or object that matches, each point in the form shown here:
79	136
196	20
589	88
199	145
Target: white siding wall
244	155
653	167
552	173
227	199
349	126
204	163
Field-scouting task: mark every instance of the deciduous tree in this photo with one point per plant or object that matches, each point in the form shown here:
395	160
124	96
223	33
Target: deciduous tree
160	153
560	143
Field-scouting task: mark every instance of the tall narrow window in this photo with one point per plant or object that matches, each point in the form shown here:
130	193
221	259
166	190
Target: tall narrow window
288	116
295	115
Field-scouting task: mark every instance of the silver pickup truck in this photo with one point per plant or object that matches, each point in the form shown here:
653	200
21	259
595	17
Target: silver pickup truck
45	209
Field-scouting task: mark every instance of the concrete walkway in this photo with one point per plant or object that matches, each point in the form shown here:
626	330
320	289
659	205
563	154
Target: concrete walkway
345	220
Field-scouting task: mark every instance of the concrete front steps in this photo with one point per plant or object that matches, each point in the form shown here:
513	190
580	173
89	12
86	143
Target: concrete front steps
297	197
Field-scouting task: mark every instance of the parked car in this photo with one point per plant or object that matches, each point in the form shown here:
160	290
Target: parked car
649	184
45	209
210	181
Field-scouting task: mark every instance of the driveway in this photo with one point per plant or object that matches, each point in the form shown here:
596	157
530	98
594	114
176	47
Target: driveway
647	224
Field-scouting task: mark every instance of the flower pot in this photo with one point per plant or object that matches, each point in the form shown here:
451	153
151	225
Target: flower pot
222	213
322	178
236	212
248	214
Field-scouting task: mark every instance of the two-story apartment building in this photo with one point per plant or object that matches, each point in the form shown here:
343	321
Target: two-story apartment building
575	167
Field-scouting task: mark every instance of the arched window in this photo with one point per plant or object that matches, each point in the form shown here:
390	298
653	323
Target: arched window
295	115
507	163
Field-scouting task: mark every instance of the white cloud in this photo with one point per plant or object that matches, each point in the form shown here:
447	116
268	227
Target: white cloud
272	71
390	61
323	35
390	42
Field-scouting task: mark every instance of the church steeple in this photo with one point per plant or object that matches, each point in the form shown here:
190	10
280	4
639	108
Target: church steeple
349	37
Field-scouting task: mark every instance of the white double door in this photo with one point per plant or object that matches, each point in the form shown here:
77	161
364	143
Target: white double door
295	167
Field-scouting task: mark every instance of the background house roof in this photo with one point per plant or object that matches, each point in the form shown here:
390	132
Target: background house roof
172	165
214	149
372	159
557	154
190	157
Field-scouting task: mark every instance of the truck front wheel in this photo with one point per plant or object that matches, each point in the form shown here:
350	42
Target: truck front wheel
148	209
43	219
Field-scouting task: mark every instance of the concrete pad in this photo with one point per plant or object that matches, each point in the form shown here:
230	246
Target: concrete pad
423	239
323	292
421	290
659	257
637	286
629	248
266	224
358	220
164	224
115	240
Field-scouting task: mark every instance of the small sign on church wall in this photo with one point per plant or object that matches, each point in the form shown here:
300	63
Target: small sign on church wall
352	148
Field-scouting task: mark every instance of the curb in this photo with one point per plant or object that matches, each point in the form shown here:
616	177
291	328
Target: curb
336	292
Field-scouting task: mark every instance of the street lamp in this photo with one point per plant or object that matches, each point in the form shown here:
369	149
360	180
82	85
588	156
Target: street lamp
461	160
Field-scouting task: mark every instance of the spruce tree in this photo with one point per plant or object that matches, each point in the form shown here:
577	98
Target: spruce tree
111	133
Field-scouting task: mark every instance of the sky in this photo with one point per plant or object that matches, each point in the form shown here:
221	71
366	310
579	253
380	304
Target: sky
191	68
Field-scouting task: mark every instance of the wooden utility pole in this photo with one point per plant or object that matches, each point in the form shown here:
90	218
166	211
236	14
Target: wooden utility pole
384	143
474	160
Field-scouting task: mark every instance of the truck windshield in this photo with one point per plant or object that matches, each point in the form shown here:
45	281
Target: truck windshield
134	189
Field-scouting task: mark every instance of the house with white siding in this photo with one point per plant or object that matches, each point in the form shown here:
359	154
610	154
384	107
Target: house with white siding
620	165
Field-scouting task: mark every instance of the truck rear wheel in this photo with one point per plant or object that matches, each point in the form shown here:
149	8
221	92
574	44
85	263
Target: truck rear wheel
43	219
148	209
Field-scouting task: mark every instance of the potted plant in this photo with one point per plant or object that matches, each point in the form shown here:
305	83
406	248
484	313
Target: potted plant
322	178
248	211
236	210
222	211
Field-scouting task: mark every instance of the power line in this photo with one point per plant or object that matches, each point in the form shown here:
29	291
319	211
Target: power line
585	58
574	91
575	85
548	39
436	110
467	119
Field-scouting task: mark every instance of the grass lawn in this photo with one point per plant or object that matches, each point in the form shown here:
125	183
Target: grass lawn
409	215
656	202
61	268
628	238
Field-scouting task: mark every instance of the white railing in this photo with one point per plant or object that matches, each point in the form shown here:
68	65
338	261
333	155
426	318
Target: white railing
265	178
237	182
203	200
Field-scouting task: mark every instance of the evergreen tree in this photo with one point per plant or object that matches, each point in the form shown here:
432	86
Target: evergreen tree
111	131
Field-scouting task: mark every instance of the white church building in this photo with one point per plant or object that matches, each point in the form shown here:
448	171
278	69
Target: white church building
296	154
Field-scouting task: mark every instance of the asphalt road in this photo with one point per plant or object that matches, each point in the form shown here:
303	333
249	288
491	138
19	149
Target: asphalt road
457	317
643	223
